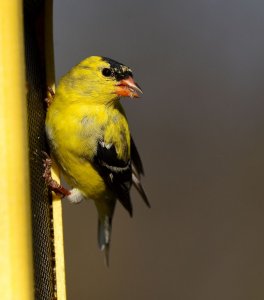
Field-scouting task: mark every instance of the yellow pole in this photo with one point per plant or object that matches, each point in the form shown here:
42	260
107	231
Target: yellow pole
16	268
56	201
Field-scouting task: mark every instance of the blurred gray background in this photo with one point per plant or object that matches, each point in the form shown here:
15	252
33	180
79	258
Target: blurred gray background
200	129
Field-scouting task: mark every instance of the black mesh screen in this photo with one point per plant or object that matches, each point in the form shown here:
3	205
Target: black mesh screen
44	262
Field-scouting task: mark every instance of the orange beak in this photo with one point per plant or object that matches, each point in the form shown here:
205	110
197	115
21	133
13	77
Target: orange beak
128	88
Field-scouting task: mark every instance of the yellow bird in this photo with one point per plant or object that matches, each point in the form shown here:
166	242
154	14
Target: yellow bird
90	140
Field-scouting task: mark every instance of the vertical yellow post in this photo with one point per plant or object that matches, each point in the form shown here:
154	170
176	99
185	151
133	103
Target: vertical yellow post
56	201
16	270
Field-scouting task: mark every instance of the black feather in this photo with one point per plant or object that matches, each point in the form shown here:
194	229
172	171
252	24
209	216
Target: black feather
117	173
104	236
136	160
119	70
137	170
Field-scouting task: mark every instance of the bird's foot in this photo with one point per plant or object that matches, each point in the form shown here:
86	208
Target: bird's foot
50	96
57	188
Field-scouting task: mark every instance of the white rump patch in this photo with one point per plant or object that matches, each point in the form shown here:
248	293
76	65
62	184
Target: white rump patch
75	197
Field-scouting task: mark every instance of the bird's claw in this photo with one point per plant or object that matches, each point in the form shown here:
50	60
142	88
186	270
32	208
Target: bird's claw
50	96
54	186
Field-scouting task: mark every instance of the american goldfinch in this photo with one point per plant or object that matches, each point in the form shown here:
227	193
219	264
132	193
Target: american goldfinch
90	140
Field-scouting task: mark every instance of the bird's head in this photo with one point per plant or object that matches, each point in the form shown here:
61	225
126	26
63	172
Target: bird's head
100	79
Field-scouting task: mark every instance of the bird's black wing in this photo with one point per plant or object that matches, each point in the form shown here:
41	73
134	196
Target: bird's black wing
136	160
137	170
116	173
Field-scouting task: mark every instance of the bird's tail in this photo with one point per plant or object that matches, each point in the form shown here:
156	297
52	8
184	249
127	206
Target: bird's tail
105	210
104	236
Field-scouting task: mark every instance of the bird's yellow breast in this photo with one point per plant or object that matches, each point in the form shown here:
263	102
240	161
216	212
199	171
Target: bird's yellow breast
74	131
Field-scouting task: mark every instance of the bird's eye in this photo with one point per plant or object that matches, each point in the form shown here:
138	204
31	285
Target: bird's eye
106	72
